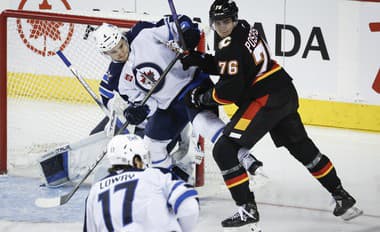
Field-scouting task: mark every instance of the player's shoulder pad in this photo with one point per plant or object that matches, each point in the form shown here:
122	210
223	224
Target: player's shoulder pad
136	29
241	31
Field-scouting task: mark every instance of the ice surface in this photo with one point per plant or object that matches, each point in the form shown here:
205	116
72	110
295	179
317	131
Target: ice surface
291	201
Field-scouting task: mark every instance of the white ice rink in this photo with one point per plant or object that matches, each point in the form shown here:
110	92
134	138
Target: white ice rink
291	201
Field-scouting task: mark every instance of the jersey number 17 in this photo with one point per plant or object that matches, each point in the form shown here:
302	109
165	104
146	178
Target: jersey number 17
129	194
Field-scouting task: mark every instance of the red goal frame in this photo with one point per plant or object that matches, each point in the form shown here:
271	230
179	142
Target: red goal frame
24	14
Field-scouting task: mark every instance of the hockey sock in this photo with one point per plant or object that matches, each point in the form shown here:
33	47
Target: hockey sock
234	175
323	170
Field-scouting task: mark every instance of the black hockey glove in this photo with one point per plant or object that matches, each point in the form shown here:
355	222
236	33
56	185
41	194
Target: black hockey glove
192	98
191	33
191	37
136	114
194	58
204	61
200	98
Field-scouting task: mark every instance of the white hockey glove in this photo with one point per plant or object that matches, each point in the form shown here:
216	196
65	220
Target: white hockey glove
174	46
117	104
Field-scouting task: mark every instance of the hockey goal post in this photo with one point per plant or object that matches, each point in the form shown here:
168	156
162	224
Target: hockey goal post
38	94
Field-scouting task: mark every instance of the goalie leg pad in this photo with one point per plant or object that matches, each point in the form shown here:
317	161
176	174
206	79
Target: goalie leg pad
55	167
158	153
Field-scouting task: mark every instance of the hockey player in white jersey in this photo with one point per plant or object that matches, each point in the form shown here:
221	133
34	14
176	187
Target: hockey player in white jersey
113	43
135	199
166	110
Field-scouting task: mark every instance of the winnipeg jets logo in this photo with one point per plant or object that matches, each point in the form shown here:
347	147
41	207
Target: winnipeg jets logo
146	76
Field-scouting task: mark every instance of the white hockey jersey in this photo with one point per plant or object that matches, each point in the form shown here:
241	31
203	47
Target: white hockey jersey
147	60
137	200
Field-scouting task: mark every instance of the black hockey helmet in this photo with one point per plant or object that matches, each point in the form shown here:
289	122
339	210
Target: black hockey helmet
222	9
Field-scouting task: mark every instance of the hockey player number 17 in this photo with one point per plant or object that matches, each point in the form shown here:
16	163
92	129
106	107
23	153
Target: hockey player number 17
104	198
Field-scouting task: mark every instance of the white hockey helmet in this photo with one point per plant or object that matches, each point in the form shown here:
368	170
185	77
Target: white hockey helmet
107	36
122	149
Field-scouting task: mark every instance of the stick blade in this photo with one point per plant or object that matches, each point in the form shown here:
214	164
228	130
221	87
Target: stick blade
48	202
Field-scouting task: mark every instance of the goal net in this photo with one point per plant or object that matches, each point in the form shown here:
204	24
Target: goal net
42	104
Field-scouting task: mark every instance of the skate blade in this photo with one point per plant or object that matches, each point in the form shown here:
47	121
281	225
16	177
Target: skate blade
253	227
352	213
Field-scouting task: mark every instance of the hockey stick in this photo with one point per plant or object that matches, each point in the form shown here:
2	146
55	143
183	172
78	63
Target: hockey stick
175	18
83	82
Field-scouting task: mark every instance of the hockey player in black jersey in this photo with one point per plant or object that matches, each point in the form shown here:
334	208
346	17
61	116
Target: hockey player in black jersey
267	102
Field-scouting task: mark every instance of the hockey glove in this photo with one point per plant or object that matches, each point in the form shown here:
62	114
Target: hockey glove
194	58
117	104
200	98
191	33
193	98
136	114
191	37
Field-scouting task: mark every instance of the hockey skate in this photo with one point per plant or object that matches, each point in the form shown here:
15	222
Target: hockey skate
247	217
344	205
254	167
248	161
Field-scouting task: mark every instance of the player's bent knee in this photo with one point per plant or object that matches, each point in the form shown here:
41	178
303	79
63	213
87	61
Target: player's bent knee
223	149
158	152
